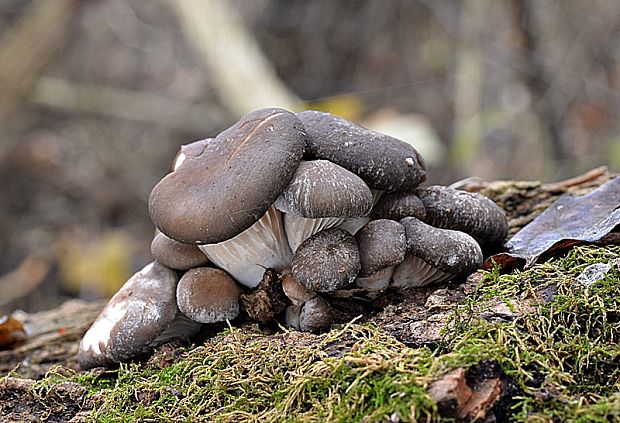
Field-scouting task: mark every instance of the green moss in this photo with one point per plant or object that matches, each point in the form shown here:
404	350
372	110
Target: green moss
562	356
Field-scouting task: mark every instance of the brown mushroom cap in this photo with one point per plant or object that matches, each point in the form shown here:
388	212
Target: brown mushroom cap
381	244
327	261
208	295
381	161
216	195
463	211
134	317
176	255
193	149
397	205
296	292
450	252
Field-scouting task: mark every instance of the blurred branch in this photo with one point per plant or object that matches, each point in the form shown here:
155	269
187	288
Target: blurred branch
126	104
243	76
23	280
29	46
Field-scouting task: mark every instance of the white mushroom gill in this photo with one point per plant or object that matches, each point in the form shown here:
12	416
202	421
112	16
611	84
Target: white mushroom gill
377	281
415	272
298	228
246	256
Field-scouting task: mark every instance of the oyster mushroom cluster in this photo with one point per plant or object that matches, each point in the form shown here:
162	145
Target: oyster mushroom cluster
326	203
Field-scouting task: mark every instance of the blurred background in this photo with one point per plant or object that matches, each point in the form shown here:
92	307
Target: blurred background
97	96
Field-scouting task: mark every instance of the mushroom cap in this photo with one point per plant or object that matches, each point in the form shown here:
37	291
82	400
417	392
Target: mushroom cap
383	162
208	295
450	251
327	261
397	205
135	316
315	314
298	229
193	149
176	255
381	244
377	281
464	211
321	188
296	292
216	195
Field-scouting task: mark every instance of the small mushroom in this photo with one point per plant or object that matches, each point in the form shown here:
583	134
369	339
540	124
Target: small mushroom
435	255
327	261
383	162
214	196
321	195
397	205
315	315
381	244
463	211
176	255
296	292
129	325
208	295
246	256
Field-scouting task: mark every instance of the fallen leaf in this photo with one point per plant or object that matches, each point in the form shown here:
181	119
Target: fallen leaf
11	331
567	222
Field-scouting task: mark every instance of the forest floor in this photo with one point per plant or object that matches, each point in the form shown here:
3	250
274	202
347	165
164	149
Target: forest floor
525	345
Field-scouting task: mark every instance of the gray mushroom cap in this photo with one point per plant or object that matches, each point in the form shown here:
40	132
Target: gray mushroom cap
381	244
134	317
468	212
397	205
447	250
321	188
327	261
316	314
383	162
216	195
176	255
208	295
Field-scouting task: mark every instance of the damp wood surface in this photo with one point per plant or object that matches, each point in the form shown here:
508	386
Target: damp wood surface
40	379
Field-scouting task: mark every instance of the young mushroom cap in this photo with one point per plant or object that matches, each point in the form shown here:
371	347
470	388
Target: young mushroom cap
435	254
397	205
316	314
208	295
220	193
296	292
468	212
381	161
247	255
135	316
176	255
321	195
381	244
327	261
